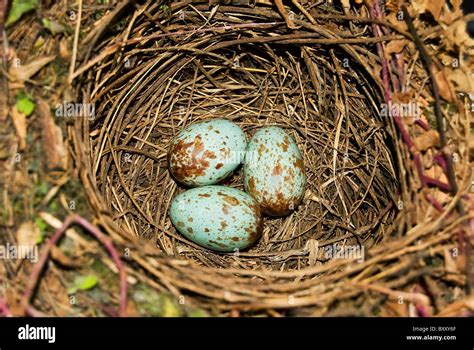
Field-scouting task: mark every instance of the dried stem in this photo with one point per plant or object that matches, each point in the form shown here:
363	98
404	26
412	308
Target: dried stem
106	242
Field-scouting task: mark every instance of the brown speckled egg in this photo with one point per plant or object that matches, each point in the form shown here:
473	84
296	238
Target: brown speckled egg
220	218
206	152
274	171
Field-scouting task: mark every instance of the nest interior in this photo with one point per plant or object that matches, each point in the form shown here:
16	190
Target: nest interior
166	67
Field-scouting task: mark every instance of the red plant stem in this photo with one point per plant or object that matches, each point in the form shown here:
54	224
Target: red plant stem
425	180
421	123
422	311
441	161
400	70
106	242
4	310
395	81
437	205
32	312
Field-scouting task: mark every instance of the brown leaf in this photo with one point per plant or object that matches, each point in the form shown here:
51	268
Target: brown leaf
25	72
443	86
427	140
63	259
470	141
394	309
419	6
462	81
395	46
64	52
27	236
449	263
56	154
449	17
435	7
393	5
456	35
19	121
394	20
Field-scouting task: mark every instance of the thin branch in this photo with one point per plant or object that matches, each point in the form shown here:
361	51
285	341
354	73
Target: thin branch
106	242
72	67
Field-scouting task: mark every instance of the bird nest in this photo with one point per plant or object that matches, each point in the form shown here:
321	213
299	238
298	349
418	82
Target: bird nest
163	67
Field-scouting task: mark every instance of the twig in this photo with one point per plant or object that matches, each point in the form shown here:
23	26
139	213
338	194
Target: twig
76	42
284	14
304	11
106	242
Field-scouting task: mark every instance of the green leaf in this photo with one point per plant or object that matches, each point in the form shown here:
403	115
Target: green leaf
197	313
18	9
170	308
24	104
83	283
53	26
42	226
42	188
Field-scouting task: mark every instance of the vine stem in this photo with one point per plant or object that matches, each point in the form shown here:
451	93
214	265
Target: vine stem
94	231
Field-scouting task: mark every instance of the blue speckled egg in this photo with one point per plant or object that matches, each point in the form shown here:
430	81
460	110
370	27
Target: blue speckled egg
274	171
217	217
206	152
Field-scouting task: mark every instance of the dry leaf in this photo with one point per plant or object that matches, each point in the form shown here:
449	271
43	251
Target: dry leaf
419	6
394	309
56	155
435	7
443	86
63	259
456	35
312	245
449	16
394	5
449	263
27	237
395	46
21	179
25	72
64	52
470	141
394	20
462	81
19	121
427	140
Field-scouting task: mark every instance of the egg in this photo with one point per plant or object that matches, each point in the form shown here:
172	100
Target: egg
274	171
216	217
204	153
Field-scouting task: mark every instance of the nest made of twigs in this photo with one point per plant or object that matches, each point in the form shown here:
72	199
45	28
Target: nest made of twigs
164	68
